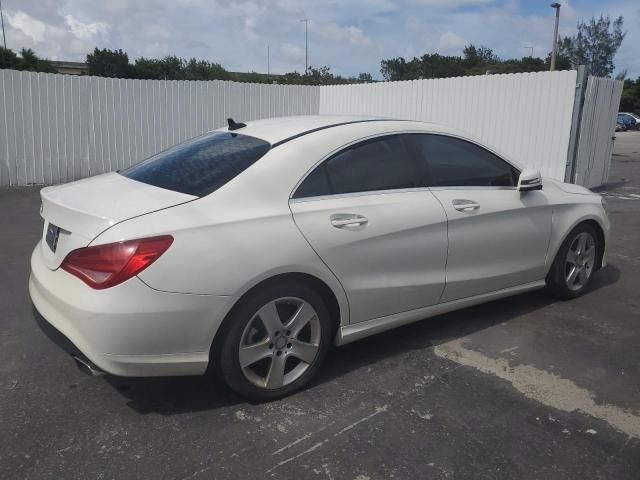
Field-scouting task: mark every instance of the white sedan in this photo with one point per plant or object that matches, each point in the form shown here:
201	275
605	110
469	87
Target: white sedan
253	248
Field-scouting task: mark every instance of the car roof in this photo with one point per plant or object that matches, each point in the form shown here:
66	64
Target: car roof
275	130
282	129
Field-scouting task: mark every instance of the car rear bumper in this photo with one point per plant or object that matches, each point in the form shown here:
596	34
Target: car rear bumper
128	330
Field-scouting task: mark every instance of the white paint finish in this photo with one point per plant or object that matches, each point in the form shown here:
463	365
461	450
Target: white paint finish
595	145
131	329
480	263
60	128
526	116
85	208
396	262
358	331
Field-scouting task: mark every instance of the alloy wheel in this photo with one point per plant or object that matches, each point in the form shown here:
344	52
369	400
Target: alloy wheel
279	343
580	261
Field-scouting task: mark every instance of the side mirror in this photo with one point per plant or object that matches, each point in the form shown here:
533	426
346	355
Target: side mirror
530	180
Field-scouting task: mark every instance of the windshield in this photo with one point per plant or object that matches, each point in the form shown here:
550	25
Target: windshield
201	165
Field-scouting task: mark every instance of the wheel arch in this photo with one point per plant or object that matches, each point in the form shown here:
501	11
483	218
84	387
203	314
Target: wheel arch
321	287
600	232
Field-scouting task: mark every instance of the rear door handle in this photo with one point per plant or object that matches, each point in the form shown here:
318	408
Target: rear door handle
348	220
466	206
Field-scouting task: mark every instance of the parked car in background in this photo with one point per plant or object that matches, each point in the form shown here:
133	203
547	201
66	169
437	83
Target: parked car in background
252	248
630	120
620	127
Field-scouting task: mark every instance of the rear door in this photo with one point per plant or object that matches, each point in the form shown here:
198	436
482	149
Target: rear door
498	237
366	214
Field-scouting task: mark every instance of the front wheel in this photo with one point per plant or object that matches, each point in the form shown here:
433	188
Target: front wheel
276	341
574	264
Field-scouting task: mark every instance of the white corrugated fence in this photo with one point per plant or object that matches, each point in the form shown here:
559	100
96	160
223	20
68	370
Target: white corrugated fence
527	116
57	128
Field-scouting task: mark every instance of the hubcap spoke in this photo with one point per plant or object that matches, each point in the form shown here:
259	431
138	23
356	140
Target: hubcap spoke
582	242
571	278
304	351
275	377
270	318
250	354
572	257
303	315
583	276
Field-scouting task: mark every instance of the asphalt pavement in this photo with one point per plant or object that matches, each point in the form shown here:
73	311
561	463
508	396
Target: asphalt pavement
522	388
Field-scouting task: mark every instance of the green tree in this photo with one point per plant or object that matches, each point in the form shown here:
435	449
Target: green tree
594	45
31	62
630	101
477	57
27	60
109	63
8	59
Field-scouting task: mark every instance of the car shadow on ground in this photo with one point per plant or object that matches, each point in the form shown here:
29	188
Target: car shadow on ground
176	395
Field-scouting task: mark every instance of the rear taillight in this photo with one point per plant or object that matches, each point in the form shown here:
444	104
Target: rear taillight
104	266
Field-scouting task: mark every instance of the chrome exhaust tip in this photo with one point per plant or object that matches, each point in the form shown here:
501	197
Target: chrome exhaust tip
87	367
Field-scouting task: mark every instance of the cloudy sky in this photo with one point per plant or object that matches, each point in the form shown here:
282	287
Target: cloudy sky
351	36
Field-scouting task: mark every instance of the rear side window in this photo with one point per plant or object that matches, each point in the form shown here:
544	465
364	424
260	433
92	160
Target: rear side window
380	164
201	165
447	161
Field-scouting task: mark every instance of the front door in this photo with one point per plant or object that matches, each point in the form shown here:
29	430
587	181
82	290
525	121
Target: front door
498	236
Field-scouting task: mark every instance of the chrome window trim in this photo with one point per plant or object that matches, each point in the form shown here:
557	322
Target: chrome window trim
402	132
358	194
472	187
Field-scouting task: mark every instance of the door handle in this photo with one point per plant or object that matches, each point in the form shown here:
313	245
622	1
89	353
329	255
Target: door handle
466	206
348	220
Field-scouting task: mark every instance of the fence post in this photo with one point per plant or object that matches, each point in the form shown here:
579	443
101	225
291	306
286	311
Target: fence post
576	120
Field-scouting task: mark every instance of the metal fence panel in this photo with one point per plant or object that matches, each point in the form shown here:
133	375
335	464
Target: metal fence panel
595	143
59	128
525	115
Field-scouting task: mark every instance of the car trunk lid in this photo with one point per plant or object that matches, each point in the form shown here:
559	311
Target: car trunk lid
76	213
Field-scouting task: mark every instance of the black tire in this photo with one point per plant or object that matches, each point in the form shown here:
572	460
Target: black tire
556	280
243	314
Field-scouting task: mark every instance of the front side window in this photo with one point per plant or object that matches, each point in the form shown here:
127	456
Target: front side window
447	161
379	164
201	165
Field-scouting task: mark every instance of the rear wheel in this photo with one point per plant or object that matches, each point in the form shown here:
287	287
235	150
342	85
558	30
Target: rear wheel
276	341
575	263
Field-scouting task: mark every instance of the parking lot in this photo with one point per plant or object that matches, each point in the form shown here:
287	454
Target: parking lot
526	387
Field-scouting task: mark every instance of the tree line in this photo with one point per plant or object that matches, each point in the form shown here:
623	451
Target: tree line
594	45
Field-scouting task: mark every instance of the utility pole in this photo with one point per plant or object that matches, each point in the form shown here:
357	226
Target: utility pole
4	39
554	49
306	45
268	60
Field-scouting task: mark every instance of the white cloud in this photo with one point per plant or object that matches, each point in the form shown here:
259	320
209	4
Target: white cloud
84	31
451	44
349	34
453	3
29	26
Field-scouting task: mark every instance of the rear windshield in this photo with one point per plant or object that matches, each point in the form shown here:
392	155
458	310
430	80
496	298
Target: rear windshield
201	165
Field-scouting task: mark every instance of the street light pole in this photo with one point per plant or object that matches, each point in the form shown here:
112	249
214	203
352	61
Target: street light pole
306	45
555	36
4	39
